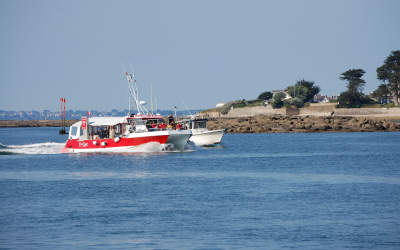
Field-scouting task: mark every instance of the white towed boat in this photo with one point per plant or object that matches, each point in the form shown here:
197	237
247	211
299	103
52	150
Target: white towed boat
201	136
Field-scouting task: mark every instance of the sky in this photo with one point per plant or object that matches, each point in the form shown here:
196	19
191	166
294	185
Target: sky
193	52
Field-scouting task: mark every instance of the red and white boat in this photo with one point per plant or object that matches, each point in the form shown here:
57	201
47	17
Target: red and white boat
123	133
84	136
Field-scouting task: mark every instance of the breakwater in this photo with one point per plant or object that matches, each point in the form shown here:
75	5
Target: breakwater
306	124
36	123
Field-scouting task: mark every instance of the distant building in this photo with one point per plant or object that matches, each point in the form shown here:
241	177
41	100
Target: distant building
383	99
323	98
220	104
277	91
268	102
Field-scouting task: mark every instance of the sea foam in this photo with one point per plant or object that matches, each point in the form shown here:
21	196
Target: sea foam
57	148
36	148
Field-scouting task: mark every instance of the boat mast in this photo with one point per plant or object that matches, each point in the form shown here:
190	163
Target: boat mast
134	92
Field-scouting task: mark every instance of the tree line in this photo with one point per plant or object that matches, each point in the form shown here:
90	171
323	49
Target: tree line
303	91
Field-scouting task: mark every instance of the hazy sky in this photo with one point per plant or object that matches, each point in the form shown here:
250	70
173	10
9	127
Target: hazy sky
199	52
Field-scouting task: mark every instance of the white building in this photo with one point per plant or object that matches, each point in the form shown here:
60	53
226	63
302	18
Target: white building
220	104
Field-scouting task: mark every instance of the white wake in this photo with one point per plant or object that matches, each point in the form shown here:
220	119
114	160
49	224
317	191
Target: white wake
58	148
36	148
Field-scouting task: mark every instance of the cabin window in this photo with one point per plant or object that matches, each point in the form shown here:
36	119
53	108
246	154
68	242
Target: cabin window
151	123
201	124
74	130
139	122
118	128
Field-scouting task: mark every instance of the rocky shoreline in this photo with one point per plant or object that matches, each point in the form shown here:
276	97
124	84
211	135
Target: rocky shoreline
306	124
266	124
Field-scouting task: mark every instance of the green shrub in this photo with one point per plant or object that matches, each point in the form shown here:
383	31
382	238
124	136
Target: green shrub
296	102
225	109
277	104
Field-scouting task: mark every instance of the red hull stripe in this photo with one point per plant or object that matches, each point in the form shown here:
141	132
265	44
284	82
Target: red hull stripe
110	143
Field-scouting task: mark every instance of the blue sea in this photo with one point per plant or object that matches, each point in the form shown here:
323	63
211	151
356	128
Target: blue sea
254	191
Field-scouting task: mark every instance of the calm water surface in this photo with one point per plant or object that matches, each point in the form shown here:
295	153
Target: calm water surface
255	191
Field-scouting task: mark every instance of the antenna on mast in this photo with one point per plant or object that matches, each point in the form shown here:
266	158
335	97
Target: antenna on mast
133	90
155	99
175	110
187	109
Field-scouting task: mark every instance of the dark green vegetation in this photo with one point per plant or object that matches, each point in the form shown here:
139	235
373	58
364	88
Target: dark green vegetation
278	100
353	97
302	92
390	72
265	96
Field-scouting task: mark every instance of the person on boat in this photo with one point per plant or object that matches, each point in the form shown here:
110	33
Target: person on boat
153	124
101	133
171	125
132	127
179	126
105	132
162	126
112	132
170	118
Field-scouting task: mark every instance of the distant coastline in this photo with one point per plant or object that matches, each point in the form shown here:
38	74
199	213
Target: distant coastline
267	124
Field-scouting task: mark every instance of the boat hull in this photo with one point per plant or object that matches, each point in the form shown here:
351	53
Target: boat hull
177	139
208	138
108	145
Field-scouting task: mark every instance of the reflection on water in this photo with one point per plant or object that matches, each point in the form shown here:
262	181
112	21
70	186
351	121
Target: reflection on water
268	176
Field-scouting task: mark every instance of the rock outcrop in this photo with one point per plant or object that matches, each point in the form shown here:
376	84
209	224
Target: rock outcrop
287	124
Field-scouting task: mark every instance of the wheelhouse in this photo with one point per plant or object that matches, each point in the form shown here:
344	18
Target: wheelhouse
88	128
141	123
195	124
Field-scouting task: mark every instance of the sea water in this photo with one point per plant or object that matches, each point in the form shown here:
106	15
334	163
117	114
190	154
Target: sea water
254	191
